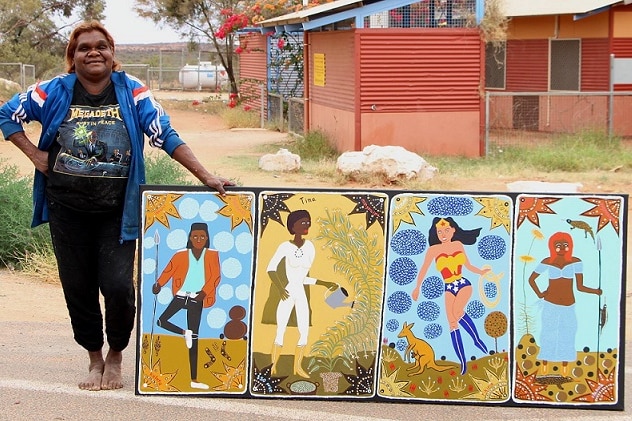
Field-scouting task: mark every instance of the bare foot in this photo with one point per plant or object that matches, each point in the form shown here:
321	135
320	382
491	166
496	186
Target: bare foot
95	372
112	378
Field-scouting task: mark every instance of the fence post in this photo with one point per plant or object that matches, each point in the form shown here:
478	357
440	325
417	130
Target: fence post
611	100
486	123
263	108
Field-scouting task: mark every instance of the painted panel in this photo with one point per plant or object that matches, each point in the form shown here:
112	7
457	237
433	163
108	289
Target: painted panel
446	318
195	269
318	293
432	133
395	303
567	290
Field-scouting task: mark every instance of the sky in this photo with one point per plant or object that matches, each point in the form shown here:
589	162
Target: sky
128	28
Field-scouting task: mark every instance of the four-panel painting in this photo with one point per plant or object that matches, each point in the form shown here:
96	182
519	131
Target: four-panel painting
489	298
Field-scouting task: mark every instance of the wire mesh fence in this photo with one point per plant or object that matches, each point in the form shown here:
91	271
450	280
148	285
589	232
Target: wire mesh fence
531	118
426	14
296	115
276	114
23	74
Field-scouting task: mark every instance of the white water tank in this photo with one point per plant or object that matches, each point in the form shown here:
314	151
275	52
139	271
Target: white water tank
205	75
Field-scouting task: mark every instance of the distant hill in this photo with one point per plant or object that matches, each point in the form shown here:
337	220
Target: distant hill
174	54
163	46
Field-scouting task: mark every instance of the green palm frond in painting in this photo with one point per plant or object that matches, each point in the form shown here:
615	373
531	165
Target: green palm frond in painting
359	258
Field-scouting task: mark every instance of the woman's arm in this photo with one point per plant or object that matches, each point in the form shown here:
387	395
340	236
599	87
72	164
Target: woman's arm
469	266
38	158
579	278
534	285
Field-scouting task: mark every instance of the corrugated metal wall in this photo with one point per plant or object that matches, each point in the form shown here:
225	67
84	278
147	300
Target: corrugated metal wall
339	89
595	65
527	65
253	69
417	70
622	48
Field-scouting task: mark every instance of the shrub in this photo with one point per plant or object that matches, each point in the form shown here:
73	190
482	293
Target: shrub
17	239
160	168
315	146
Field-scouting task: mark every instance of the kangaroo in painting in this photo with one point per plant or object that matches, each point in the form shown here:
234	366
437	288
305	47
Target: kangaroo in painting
419	350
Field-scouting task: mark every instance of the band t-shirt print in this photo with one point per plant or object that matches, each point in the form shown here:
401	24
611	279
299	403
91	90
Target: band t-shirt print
92	153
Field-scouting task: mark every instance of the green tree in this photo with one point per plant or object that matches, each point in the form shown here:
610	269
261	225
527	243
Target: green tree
31	32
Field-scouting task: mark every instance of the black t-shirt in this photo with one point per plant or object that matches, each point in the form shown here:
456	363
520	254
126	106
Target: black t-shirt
88	165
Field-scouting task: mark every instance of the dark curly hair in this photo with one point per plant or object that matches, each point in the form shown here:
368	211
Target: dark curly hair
295	216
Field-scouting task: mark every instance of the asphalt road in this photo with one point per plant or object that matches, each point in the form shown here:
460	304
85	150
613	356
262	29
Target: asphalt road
40	366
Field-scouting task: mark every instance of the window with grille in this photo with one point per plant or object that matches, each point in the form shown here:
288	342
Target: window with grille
495	55
564	65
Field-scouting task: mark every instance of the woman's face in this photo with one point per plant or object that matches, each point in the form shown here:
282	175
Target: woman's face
561	247
198	239
93	56
301	227
445	233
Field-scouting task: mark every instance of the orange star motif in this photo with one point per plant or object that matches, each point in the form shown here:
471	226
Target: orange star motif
405	206
607	210
527	389
531	207
158	207
154	379
232	378
237	209
603	390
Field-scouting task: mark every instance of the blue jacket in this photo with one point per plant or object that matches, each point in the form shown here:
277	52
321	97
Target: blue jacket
48	102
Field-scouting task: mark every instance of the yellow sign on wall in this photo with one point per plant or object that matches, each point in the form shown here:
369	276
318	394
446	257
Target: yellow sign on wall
319	69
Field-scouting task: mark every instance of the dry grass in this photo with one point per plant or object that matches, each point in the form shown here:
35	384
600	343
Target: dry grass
494	23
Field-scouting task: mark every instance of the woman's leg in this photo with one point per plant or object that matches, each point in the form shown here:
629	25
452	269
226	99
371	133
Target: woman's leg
115	271
75	252
455	334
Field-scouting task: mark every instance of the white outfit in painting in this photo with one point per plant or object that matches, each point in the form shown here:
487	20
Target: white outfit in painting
298	261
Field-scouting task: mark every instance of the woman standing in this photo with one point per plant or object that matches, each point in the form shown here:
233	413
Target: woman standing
446	240
93	205
559	321
289	272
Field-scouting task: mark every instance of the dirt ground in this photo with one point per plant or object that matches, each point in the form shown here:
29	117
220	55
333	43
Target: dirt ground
221	150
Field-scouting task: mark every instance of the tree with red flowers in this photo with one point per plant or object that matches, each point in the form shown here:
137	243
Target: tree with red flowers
217	21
